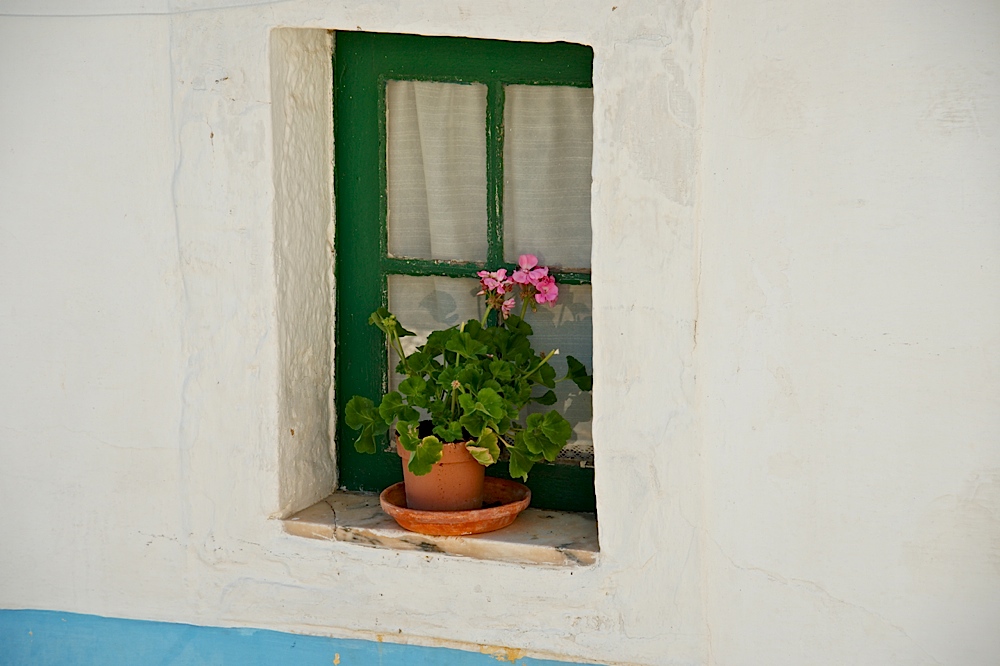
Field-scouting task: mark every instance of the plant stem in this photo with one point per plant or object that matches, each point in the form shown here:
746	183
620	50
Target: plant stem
542	362
394	341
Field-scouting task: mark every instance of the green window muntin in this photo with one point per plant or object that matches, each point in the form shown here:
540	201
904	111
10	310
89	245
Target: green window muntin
363	63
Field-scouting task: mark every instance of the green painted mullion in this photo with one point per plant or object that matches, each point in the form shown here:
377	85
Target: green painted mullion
444	78
361	361
405	266
571	277
494	174
469	60
400	266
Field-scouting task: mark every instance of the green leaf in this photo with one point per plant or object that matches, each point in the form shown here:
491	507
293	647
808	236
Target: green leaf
473	328
474	422
489	402
546	434
481	455
515	324
503	425
547	398
486	450
392	408
470	376
520	398
437	340
520	463
427	453
501	370
440	410
365	443
546	376
533	422
492	384
577	373
361	412
408	438
556	428
535	441
450	433
418	362
447	376
386	321
467	403
413	386
391	403
518	350
464	345
380	319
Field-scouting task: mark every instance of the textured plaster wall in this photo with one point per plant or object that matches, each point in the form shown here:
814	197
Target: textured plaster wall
796	316
849	332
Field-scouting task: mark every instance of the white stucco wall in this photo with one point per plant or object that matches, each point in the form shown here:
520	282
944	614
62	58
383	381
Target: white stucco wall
796	318
850	308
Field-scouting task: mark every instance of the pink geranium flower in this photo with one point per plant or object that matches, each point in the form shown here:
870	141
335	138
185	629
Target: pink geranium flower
547	292
494	282
527	273
507	306
529	281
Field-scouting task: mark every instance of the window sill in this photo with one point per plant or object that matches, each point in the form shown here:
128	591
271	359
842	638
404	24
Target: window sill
536	537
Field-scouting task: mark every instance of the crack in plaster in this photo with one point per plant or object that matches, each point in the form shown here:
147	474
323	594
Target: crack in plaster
185	427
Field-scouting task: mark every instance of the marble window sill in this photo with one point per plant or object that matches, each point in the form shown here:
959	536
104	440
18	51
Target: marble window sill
536	537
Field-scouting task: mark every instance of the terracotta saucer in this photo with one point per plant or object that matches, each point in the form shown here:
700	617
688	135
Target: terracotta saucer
502	500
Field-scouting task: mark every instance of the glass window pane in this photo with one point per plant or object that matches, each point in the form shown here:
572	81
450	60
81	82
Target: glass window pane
548	143
426	304
567	326
436	170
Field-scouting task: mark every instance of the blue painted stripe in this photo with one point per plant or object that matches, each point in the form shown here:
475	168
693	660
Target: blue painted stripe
39	638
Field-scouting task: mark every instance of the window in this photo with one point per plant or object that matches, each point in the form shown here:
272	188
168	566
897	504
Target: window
453	155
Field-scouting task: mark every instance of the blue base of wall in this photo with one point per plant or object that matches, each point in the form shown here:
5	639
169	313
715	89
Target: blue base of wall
39	638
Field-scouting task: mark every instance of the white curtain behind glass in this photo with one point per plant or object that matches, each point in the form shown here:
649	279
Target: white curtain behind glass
548	147
436	170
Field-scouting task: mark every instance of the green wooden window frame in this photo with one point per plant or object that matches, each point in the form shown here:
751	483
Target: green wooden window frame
363	62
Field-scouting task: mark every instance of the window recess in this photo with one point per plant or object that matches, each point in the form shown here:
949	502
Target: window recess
453	155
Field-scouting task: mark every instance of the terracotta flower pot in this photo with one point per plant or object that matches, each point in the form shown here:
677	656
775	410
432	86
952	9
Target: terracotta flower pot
454	484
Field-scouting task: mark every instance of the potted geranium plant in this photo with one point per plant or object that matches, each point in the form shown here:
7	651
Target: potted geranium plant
466	389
